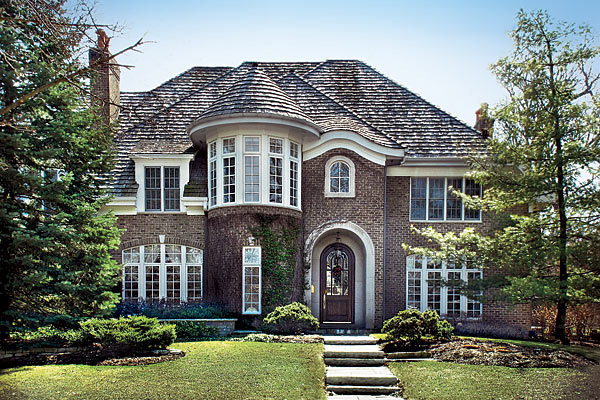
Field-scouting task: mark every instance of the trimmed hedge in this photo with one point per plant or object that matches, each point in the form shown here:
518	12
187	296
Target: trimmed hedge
291	319
193	329
138	332
414	326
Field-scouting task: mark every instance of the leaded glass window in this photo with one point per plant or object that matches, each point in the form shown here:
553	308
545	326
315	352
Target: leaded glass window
337	273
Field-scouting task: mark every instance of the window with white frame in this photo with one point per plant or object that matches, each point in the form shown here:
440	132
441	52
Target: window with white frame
435	285
212	173
339	177
251	286
162	271
251	169
433	199
229	170
162	188
268	169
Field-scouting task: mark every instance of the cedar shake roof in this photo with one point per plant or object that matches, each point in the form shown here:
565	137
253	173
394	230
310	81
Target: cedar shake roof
331	95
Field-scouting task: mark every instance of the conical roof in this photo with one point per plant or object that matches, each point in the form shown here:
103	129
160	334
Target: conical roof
255	93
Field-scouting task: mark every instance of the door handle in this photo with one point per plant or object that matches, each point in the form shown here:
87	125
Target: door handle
324	298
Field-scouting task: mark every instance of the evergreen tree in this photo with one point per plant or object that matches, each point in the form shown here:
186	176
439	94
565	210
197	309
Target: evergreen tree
544	156
54	152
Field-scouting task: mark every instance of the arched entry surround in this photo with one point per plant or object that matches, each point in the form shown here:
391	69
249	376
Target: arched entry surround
361	244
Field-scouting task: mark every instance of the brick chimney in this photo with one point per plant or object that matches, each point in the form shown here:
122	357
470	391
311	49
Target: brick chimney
483	122
106	79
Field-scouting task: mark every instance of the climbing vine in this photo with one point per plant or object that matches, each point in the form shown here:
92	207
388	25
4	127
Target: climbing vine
279	260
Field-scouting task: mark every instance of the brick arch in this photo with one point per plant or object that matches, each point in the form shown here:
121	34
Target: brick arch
168	240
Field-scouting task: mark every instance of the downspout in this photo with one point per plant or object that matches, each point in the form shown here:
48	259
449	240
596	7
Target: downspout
384	234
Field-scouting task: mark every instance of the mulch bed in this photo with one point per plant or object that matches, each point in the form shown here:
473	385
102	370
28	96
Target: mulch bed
145	360
467	351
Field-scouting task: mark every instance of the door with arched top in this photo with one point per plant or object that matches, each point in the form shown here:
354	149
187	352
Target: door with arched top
337	284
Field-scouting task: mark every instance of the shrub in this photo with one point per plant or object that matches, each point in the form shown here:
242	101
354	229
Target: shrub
138	333
193	329
164	310
581	320
414	326
291	319
45	336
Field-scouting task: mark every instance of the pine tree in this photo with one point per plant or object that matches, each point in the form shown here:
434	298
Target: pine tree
545	155
54	156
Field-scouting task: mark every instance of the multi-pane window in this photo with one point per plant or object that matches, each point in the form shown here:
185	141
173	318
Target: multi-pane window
339	177
293	183
437	286
251	286
228	179
162	271
171	188
275	179
162	183
251	169
254	169
153	189
474	306
212	173
432	199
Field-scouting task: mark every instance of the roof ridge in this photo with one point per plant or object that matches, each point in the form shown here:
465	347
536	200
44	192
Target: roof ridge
418	97
191	93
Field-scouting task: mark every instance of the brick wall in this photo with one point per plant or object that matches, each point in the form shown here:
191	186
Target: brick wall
228	230
398	232
365	209
141	229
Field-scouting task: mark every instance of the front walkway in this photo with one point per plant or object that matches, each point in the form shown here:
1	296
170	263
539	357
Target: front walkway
355	369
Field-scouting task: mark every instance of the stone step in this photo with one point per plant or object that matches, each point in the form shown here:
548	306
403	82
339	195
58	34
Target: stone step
412	359
373	390
354	361
360	376
324	330
352	351
409	354
349	340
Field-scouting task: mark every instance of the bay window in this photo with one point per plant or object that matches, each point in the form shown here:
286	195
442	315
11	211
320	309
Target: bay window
433	199
435	285
262	170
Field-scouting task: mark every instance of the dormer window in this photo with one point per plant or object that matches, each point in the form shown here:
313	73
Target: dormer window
339	180
162	188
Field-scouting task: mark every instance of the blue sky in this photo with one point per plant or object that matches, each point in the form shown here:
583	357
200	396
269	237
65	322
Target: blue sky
439	49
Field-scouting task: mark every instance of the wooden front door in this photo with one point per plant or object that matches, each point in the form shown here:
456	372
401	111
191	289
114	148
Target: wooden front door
337	284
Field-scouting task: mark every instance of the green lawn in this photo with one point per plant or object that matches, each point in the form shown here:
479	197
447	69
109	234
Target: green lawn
210	370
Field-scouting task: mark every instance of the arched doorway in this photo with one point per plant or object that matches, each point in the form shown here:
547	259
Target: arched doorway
337	264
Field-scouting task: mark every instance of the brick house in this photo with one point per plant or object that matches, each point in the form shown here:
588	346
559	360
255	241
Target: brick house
333	147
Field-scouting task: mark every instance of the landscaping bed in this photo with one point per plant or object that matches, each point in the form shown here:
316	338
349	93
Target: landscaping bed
469	351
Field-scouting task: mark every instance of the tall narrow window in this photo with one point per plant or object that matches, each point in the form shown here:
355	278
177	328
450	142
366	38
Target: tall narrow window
173	267
473	305
251	286
294	183
152	181
472	188
339	177
275	179
436	198
212	173
434	291
251	169
194	274
413	300
171	188
453	303
131	259
229	170
418	198
453	202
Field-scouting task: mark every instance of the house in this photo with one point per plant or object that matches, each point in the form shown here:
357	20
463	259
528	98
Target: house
334	148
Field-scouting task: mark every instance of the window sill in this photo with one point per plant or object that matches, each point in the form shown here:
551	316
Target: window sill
342	194
439	221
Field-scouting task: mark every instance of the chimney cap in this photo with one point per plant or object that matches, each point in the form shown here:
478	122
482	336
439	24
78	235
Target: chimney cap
103	39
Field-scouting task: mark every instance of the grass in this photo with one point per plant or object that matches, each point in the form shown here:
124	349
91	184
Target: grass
210	370
446	381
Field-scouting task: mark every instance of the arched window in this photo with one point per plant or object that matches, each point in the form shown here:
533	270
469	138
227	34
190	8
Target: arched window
162	271
340	174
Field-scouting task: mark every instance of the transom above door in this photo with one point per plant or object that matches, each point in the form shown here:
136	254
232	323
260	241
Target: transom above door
337	284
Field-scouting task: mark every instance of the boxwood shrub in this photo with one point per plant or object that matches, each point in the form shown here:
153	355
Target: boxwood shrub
136	332
293	318
414	326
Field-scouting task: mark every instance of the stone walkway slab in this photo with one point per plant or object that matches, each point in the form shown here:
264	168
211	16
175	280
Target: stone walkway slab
374	376
349	340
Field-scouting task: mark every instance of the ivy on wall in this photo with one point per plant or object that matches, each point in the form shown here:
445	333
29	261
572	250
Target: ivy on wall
279	260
